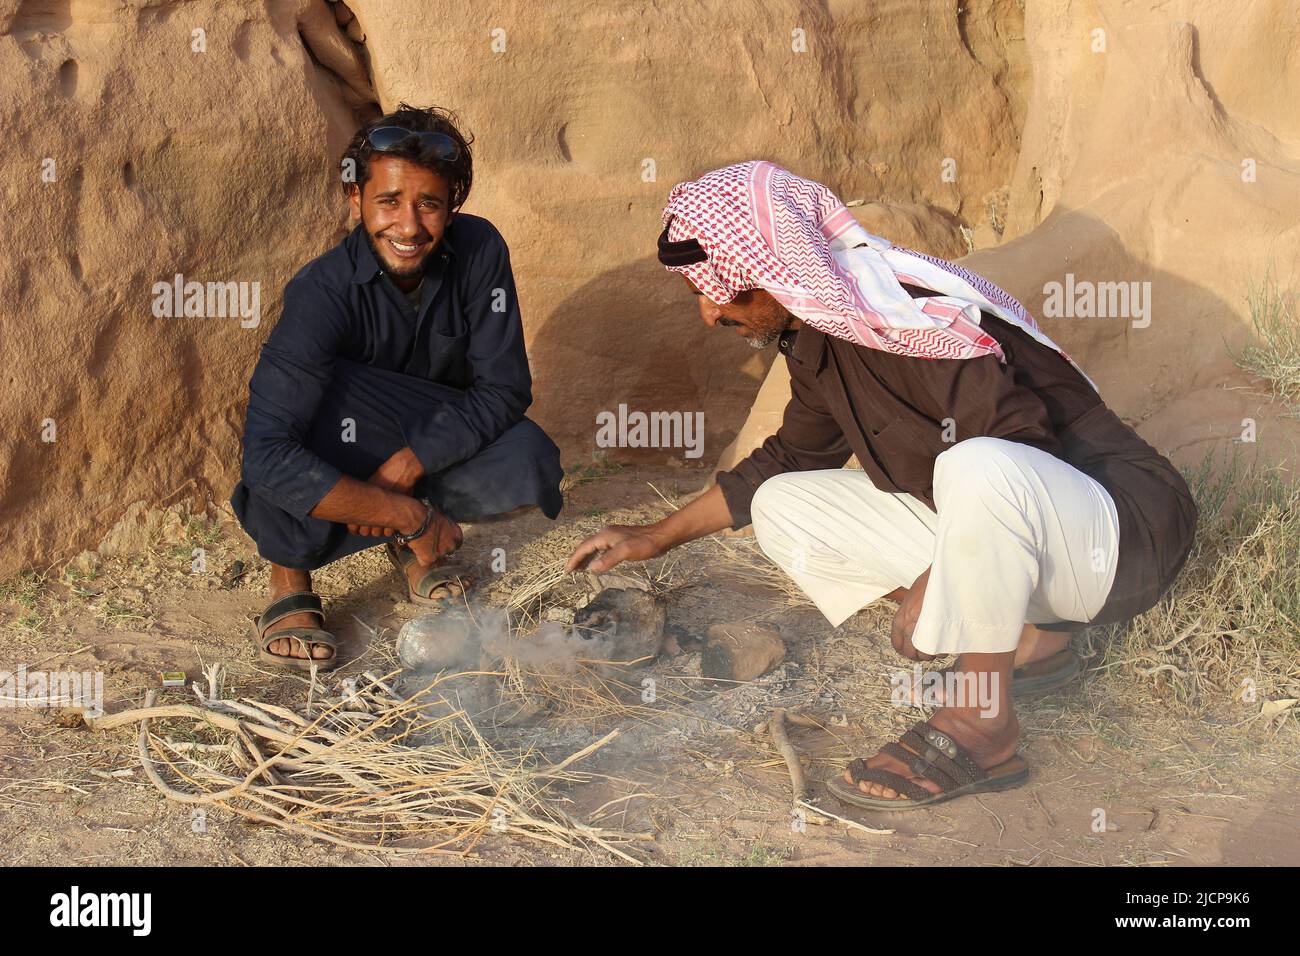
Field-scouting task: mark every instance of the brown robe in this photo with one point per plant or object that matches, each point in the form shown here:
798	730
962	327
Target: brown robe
890	411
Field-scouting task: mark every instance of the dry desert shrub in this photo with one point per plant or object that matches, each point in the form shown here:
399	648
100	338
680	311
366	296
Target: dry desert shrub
1275	355
1229	629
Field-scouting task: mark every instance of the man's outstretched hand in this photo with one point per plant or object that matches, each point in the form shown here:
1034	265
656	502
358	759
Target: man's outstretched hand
623	542
615	544
399	473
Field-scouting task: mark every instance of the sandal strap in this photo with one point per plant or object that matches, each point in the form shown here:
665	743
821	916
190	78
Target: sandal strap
936	747
305	636
295	603
925	755
887	778
439	575
856	768
919	765
930	754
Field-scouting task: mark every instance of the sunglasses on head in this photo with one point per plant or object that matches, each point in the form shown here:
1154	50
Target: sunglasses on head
436	146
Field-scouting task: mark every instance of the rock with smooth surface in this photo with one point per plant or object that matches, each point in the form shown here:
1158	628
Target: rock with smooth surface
740	652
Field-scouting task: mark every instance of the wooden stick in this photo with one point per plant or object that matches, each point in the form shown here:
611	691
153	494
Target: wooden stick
552	771
777	726
847	822
796	719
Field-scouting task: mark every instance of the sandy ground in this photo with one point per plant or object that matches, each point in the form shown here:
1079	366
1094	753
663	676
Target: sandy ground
1176	788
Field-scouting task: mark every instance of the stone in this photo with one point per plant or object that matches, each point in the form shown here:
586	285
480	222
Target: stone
627	623
142	527
739	652
446	640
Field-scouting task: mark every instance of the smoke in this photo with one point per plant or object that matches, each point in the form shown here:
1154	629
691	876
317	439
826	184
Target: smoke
459	638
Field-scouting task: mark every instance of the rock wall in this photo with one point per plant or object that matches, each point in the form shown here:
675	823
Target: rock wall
150	138
144	141
1164	149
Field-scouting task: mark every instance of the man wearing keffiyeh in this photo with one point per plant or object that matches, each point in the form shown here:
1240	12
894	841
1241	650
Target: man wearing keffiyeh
999	500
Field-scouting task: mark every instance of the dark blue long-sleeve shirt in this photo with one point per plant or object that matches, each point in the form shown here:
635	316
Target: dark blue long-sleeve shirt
466	334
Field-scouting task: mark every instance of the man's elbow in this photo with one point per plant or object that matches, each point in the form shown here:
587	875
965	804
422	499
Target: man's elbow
513	402
264	460
253	470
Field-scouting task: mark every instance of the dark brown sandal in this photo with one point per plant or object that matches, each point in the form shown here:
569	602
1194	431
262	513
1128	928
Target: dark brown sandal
1028	680
934	755
439	575
1046	675
287	606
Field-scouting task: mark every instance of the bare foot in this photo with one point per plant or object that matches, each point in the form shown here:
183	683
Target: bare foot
1037	644
289	581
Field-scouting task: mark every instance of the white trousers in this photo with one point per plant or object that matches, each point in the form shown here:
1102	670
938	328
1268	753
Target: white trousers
1019	537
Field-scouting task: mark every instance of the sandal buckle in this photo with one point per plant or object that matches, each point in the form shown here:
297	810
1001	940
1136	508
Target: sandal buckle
941	742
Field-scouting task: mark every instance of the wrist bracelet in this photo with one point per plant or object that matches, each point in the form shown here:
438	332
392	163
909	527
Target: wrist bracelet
405	539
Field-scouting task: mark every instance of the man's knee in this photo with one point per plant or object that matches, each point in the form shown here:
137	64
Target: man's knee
280	537
983	491
977	468
534	445
771	508
526	452
519	469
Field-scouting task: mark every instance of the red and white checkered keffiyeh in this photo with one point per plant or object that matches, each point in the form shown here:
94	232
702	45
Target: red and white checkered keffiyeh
763	227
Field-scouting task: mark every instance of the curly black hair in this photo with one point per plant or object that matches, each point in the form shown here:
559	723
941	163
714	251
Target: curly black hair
459	173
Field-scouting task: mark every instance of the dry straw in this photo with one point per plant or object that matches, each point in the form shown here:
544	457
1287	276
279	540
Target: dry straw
575	689
372	771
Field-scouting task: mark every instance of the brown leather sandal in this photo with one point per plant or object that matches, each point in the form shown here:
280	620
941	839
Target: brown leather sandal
1039	677
934	755
1028	680
264	633
439	575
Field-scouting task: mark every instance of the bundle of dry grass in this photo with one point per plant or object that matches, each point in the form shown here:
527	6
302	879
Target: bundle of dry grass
579	692
571	687
742	558
371	771
1230	627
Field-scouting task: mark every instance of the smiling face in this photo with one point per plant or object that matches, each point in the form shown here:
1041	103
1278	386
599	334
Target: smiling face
404	209
754	314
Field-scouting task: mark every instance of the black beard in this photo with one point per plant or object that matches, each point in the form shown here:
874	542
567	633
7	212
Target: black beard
415	269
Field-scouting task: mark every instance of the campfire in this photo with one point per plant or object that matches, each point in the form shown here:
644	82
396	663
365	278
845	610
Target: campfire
420	760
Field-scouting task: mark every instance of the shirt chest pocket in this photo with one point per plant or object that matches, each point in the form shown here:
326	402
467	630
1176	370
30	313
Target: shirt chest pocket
906	458
447	359
885	443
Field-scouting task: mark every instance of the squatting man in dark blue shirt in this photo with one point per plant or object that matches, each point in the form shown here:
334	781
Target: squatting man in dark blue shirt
389	400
